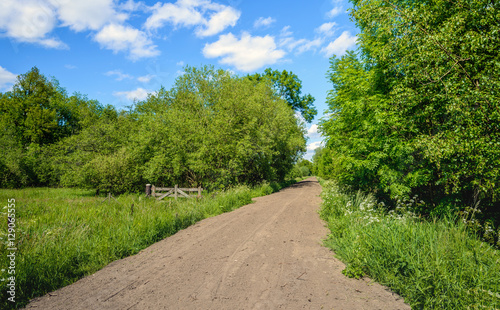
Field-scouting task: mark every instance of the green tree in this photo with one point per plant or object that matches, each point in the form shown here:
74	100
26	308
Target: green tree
36	114
218	129
416	112
289	87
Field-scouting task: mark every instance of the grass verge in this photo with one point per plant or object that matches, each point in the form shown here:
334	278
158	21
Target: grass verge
433	264
62	235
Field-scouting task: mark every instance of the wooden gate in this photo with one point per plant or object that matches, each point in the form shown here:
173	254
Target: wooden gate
162	192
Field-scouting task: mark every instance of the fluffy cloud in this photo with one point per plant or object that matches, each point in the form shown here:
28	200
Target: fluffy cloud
298	45
6	78
312	132
247	53
119	75
29	21
219	21
136	94
327	29
335	11
314	145
311	147
124	38
146	78
208	18
338	47
88	14
32	21
263	22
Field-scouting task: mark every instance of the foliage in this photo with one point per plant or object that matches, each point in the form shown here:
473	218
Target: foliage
216	129
212	129
416	111
303	168
289	87
434	264
63	235
36	114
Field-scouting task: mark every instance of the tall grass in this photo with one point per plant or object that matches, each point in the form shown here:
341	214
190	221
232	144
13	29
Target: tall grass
63	235
434	264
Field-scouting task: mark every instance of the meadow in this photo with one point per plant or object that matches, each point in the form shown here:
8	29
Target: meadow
64	234
432	263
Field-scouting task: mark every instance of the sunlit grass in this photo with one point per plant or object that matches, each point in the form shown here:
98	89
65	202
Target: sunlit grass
434	264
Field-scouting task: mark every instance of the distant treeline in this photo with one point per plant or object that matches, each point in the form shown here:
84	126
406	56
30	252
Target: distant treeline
212	129
415	113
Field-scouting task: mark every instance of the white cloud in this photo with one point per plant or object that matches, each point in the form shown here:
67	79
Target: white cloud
338	47
219	21
311	147
29	21
119	75
299	45
247	53
327	29
314	145
335	11
146	78
263	22
6	78
70	67
312	132
304	45
131	6
180	63
124	38
177	14
88	14
32	21
285	32
137	94
208	18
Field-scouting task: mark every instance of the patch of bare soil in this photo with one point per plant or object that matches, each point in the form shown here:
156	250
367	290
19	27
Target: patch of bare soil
266	255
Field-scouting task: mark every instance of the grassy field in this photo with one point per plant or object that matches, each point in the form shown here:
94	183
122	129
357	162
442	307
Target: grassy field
62	235
433	264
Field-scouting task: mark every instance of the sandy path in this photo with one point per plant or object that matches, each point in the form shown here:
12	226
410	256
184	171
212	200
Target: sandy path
266	255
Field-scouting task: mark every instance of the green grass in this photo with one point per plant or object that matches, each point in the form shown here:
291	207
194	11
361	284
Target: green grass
63	235
434	264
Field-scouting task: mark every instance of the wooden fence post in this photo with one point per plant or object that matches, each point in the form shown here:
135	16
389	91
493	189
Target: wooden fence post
148	190
199	191
153	189
175	192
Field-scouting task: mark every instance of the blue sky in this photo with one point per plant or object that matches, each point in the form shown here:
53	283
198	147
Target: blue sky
118	51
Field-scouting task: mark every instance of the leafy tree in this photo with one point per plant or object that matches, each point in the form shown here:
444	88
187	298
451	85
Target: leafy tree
302	168
415	112
33	116
289	87
219	129
212	128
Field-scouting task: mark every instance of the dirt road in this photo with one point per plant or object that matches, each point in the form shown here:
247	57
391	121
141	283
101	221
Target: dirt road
266	255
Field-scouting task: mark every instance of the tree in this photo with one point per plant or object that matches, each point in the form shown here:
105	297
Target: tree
36	114
218	129
415	112
289	87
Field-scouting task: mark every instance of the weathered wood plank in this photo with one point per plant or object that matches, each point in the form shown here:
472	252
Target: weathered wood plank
163	195
189	189
183	194
163	192
184	189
